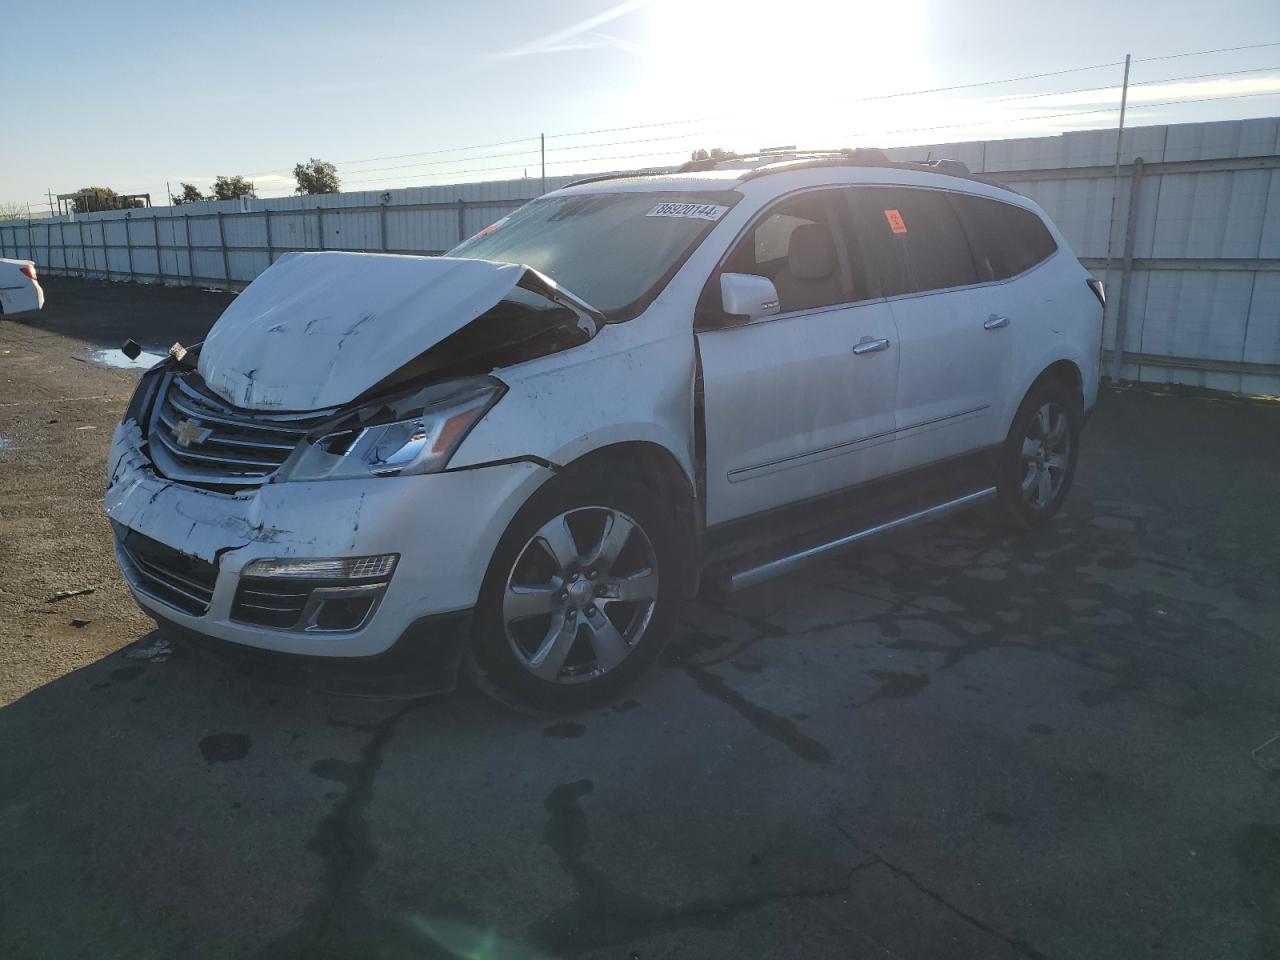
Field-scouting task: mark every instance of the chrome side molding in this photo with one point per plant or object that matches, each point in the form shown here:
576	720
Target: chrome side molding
734	581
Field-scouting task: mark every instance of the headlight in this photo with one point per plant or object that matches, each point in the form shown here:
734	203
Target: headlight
409	435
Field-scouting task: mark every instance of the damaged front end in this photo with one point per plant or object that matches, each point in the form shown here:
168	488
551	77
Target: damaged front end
327	530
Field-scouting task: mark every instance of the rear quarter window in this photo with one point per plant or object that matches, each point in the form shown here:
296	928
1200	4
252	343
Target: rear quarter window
1007	240
914	238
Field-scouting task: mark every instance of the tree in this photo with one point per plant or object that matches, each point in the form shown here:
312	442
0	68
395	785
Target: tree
232	188
715	153
13	211
190	194
317	176
93	199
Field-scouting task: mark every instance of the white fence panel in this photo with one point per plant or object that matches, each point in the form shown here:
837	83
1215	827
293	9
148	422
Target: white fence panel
1197	299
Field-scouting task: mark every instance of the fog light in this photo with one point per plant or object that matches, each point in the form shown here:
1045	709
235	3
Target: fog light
339	568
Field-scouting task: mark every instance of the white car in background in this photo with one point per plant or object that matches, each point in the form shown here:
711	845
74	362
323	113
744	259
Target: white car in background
20	290
522	455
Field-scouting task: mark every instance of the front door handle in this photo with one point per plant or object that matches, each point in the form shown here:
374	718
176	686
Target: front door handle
994	322
871	346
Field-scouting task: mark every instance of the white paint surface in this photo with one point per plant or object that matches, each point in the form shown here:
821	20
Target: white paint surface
318	329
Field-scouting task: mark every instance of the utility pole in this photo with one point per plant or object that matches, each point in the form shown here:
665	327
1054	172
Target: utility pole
49	192
169	192
1115	189
542	139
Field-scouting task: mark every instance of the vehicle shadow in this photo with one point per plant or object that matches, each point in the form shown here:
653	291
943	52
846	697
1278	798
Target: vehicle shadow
156	791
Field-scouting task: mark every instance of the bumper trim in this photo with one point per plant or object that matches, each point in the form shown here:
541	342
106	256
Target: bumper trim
422	662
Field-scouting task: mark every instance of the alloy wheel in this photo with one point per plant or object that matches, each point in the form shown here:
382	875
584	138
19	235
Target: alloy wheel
1046	454
580	595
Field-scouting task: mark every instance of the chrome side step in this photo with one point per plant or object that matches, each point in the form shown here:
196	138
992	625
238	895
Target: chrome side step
736	580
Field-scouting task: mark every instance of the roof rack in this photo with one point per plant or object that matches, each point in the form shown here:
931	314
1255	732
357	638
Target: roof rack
773	156
781	161
873	157
622	175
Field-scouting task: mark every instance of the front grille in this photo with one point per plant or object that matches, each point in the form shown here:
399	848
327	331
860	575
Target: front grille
198	437
168	575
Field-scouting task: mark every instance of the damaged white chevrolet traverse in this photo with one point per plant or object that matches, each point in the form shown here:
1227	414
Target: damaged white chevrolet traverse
518	458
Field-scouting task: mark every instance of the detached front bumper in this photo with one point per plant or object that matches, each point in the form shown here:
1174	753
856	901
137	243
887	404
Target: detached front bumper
443	526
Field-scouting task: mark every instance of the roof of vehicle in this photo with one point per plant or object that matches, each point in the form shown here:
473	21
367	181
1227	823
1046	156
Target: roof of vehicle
723	172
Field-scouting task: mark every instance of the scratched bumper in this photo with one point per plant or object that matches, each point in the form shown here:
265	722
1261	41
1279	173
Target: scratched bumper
444	526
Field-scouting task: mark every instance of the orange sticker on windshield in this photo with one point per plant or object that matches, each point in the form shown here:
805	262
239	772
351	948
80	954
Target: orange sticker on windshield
896	223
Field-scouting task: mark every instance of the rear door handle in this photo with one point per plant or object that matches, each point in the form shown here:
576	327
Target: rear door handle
994	322
871	346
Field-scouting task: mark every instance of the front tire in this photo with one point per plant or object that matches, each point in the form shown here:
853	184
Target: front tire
579	595
1038	459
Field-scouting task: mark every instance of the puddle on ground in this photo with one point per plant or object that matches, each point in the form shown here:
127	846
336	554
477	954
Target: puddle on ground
114	358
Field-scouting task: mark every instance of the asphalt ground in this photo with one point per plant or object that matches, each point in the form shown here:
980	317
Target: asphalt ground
964	743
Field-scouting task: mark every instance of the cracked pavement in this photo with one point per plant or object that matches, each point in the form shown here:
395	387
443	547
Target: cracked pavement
962	743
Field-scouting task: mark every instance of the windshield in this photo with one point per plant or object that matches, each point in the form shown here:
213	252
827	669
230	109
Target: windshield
613	250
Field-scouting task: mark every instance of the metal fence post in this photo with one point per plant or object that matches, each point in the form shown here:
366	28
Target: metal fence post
106	250
266	220
128	245
84	270
226	262
155	241
462	219
173	237
48	243
382	223
31	250
191	260
320	225
1126	269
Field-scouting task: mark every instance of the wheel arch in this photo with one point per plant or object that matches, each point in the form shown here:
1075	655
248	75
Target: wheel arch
1065	372
657	468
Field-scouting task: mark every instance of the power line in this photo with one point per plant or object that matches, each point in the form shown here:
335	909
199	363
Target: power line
424	153
949	126
883	96
1205	53
1139	83
688	135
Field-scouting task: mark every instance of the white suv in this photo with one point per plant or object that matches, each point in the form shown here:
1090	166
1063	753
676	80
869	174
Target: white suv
522	456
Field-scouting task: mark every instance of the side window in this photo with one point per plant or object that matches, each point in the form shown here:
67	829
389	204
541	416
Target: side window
914	238
1007	239
801	244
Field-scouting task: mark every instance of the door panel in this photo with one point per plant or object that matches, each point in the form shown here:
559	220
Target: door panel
951	370
792	412
955	347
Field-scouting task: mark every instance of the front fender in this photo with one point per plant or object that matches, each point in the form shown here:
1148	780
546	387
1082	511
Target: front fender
611	390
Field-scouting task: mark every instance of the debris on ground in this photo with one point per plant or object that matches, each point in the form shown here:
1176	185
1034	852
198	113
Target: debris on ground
68	594
158	652
79	623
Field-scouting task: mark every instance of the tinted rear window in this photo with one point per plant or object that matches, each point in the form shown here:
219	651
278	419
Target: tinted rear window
915	239
1007	239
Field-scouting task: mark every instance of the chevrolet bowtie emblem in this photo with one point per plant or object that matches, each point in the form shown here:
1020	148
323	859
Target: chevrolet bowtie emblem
189	432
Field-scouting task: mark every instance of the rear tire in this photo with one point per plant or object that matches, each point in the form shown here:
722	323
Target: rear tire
1038	459
579	596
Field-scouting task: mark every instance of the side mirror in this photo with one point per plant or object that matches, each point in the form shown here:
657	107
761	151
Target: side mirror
746	295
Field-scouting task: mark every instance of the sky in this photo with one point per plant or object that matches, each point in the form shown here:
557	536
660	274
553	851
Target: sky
134	94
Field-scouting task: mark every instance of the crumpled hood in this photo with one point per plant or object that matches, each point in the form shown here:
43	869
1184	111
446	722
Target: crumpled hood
315	330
